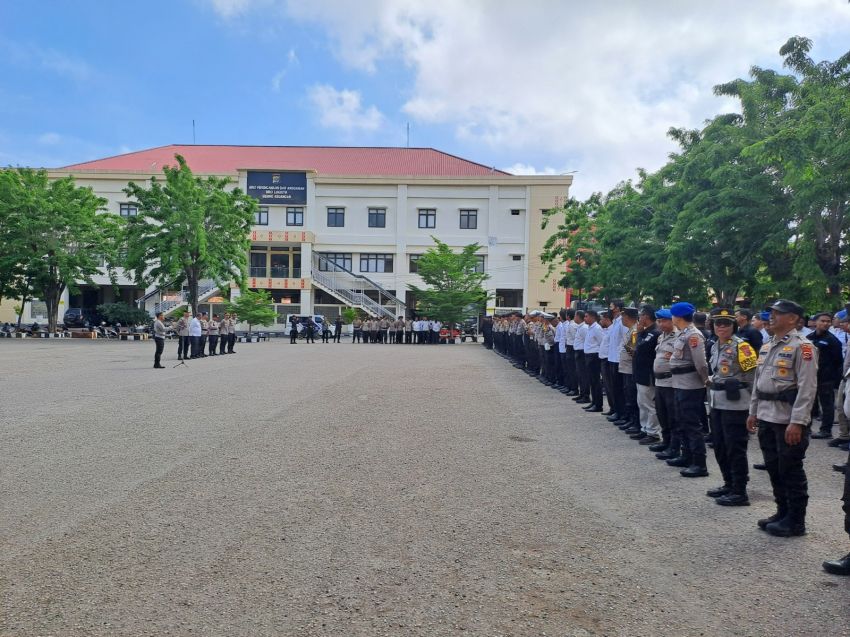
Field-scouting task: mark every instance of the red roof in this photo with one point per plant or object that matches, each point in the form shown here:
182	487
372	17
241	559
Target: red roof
325	160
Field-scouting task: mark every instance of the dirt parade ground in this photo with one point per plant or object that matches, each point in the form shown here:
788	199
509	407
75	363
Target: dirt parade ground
371	490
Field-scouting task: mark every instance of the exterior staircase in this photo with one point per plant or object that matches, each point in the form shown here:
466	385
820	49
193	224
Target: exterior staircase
352	289
206	289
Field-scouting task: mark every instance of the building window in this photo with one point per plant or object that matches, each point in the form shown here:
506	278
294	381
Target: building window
516	257
128	210
413	264
508	298
342	259
479	265
376	262
295	216
336	217
468	219
261	217
258	264
515	212
427	218
377	217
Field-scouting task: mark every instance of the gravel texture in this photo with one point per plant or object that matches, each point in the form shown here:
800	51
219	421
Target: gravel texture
370	490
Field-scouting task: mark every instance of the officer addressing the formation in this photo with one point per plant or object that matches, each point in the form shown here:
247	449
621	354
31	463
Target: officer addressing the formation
159	340
690	373
785	387
733	364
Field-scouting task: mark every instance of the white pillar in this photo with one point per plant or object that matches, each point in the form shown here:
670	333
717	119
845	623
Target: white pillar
307	301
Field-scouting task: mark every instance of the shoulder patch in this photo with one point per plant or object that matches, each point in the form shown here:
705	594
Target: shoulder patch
747	358
693	341
806	351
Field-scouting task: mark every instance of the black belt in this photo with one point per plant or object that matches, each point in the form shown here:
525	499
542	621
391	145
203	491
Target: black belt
722	386
663	375
682	370
785	396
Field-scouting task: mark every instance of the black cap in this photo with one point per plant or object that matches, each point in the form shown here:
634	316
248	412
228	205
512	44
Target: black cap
722	313
631	312
788	307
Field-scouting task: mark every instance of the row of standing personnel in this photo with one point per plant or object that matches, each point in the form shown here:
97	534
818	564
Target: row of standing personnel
195	333
658	370
420	330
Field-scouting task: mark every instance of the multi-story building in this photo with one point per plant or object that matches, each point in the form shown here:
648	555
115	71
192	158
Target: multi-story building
345	226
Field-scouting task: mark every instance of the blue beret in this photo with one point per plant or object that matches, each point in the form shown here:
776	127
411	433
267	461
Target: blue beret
842	314
682	309
764	316
663	313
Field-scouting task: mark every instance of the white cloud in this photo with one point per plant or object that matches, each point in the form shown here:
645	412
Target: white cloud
342	109
231	8
593	86
277	79
527	169
49	139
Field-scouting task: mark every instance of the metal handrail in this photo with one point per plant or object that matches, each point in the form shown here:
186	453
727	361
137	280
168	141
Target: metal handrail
320	259
337	280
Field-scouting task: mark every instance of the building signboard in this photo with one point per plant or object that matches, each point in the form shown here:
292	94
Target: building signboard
287	188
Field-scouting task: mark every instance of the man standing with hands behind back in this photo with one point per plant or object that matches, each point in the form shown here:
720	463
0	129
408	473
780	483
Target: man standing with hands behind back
785	387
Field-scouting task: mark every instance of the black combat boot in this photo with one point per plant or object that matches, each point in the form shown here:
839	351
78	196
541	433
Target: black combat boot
781	512
734	499
791	525
658	447
838	567
697	468
680	461
719	491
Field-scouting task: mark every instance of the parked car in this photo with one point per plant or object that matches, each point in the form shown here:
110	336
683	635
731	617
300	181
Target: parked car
81	317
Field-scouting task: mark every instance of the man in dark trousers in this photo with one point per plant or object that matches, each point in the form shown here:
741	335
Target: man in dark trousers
642	363
842	566
830	363
338	330
293	330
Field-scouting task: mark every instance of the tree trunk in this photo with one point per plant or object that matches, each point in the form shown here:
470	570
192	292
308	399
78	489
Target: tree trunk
52	295
192	285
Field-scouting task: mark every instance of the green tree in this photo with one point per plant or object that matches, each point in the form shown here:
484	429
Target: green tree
54	237
188	229
122	313
810	147
574	243
454	284
254	307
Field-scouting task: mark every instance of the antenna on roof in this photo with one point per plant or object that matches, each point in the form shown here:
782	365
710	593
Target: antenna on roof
193	132
408	134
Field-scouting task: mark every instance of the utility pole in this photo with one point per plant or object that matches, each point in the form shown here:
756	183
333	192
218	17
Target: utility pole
193	132
408	134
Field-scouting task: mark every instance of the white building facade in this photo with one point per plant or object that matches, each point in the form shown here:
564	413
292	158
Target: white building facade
371	224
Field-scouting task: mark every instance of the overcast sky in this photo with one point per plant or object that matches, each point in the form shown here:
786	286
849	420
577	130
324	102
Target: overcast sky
531	86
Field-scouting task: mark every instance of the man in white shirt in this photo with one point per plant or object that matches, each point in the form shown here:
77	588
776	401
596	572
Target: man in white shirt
615	341
560	336
605	324
581	371
592	342
436	326
195	336
571	380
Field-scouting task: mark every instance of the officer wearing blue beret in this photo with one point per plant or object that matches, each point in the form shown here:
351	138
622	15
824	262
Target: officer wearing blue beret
690	373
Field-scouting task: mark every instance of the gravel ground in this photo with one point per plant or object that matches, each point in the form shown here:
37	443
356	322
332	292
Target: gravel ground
345	490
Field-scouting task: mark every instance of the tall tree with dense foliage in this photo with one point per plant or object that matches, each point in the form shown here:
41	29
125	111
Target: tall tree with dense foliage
453	280
810	148
188	229
754	204
54	237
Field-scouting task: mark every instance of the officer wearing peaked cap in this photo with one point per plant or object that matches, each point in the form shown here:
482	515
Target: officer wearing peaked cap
733	363
690	373
785	387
